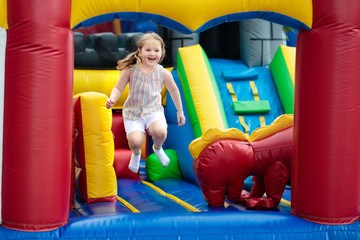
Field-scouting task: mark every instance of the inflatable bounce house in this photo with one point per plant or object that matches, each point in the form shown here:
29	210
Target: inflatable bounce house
268	150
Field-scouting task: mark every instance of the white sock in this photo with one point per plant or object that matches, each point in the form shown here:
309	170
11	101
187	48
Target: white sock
164	159
134	163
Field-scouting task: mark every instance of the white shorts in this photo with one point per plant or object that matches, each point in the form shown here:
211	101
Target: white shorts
141	125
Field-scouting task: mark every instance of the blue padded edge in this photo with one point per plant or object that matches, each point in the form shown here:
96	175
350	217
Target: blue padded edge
230	222
232	75
245	225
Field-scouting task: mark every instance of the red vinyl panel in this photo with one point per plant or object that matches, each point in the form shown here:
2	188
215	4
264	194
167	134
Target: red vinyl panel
326	164
37	115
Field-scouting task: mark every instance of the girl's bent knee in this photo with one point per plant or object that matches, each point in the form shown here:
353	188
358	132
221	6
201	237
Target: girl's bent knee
160	134
135	142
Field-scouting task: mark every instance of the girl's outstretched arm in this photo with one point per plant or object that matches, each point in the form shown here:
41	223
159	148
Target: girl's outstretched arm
175	95
119	88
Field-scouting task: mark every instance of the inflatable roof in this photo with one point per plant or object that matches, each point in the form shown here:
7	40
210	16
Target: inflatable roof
186	16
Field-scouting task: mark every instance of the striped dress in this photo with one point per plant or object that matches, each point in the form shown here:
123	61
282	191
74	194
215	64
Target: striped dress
144	93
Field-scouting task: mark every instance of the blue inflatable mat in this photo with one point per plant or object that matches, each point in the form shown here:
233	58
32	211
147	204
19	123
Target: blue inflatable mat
232	75
163	219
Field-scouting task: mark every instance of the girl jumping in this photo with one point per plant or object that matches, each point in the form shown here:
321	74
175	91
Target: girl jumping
142	108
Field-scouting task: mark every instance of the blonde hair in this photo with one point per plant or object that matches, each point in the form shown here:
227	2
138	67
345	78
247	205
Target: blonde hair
134	58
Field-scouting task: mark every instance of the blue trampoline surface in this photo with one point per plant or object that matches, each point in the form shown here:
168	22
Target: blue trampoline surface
163	218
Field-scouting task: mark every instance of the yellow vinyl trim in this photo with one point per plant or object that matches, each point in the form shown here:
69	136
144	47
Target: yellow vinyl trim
244	125
280	123
3	14
172	197
212	135
254	90
286	202
128	205
232	92
283	201
262	121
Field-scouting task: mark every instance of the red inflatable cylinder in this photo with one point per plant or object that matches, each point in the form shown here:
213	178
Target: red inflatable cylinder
326	166
37	115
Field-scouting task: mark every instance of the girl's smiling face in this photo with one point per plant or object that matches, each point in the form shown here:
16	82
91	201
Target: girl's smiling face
151	53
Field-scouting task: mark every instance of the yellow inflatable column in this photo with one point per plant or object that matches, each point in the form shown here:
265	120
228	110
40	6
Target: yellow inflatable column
201	92
95	148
